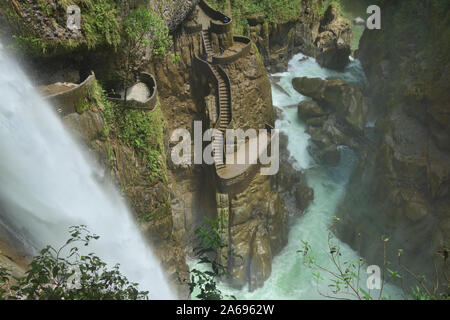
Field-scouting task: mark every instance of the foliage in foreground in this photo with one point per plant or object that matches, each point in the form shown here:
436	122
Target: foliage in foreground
345	275
64	273
210	252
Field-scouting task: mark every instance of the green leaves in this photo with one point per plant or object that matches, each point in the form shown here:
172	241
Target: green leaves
63	273
144	28
143	32
393	274
144	132
279	11
418	294
209	251
101	24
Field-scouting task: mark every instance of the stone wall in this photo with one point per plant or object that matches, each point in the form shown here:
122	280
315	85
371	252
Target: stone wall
67	102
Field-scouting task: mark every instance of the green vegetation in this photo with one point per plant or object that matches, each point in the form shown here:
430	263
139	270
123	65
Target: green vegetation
142	31
327	3
65	273
345	275
104	23
101	24
30	44
139	129
210	253
143	131
141	22
95	97
274	10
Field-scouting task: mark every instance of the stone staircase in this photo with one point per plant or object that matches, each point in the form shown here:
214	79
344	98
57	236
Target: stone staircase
208	46
224	93
231	178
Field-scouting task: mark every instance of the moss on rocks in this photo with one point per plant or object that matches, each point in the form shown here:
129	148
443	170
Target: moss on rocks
243	11
40	26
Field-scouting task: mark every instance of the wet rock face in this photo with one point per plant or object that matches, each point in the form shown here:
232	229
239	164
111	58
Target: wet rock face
180	92
400	187
250	90
290	181
334	96
335	117
258	231
309	109
334	40
275	42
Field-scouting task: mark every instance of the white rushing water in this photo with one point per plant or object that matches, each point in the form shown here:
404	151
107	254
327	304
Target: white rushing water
47	184
290	278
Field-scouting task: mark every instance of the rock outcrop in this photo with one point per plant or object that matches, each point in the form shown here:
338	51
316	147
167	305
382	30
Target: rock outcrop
334	40
258	231
290	182
325	36
278	41
335	117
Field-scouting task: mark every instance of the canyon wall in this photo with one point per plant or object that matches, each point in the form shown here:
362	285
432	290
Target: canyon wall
400	187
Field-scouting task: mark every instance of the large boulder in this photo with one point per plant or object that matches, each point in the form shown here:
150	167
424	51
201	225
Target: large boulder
309	109
310	87
337	96
290	181
334	118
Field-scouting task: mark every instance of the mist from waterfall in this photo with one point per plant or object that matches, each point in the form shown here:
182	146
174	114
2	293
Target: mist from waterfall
47	183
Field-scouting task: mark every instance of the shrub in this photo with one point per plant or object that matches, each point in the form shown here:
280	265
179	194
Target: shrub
64	273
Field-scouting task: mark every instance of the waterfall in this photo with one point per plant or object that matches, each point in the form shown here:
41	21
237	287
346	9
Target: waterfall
47	184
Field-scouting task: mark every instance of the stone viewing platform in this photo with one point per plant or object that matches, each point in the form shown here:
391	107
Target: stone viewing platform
233	177
241	47
143	95
66	97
